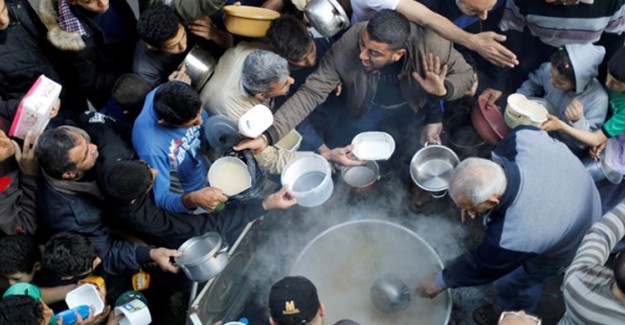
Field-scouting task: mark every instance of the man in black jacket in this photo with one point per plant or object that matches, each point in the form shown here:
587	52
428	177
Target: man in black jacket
70	200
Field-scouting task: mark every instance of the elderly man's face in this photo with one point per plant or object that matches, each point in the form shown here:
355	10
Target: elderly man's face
471	209
84	155
97	6
4	16
280	88
375	55
476	8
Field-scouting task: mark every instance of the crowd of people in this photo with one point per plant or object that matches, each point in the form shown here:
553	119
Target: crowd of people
118	180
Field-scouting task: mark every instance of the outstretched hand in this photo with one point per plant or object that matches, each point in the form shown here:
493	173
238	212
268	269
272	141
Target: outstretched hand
433	81
488	45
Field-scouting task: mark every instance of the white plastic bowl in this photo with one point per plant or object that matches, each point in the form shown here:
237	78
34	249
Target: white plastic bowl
86	294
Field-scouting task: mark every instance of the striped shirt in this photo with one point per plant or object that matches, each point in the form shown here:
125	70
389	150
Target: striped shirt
557	25
587	282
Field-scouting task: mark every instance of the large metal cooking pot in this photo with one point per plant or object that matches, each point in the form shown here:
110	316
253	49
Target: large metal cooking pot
200	64
345	261
203	257
431	168
326	16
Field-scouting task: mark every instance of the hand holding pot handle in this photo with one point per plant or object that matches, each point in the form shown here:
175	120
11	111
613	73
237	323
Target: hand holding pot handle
161	256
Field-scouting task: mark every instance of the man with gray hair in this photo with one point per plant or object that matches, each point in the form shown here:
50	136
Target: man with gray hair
538	202
263	75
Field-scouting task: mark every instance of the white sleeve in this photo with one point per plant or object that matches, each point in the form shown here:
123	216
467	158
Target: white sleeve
365	9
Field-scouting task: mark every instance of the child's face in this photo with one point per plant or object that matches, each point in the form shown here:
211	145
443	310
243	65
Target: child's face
20	277
559	81
614	85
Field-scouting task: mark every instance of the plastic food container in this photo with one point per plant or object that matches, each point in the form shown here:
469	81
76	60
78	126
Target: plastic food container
373	146
86	294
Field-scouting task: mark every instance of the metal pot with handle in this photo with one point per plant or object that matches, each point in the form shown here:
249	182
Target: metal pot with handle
431	168
203	257
326	16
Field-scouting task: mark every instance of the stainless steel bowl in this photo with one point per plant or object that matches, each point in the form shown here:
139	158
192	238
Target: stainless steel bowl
431	167
200	64
326	16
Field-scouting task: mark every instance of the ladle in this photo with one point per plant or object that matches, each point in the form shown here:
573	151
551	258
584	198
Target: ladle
390	294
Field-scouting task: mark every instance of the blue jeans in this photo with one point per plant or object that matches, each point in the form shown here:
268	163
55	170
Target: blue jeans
521	288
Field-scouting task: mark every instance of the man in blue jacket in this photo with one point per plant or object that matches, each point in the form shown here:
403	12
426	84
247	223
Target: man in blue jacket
539	202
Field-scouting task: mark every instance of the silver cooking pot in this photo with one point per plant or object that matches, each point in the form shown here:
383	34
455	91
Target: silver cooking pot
326	16
203	257
431	168
200	64
346	261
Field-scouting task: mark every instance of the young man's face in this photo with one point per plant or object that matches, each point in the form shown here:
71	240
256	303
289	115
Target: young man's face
375	55
197	120
308	59
4	16
97	6
176	44
614	85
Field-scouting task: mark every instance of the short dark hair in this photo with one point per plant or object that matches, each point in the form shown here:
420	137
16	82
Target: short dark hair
616	65
20	309
68	254
389	27
129	90
289	37
52	151
127	180
619	271
176	103
18	253
157	24
562	62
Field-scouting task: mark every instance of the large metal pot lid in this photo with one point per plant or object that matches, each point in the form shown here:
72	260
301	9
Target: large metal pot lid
346	260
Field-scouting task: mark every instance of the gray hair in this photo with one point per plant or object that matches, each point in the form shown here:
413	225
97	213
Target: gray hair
260	68
476	180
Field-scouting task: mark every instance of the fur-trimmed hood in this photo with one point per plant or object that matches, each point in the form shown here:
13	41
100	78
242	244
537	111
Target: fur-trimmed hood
66	41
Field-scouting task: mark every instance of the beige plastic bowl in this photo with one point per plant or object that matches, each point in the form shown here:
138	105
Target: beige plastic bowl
249	21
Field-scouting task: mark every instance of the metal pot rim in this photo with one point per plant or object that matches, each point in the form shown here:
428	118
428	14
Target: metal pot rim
427	246
420	152
213	253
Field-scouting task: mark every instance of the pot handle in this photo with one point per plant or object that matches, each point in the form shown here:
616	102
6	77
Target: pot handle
342	21
433	143
223	249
